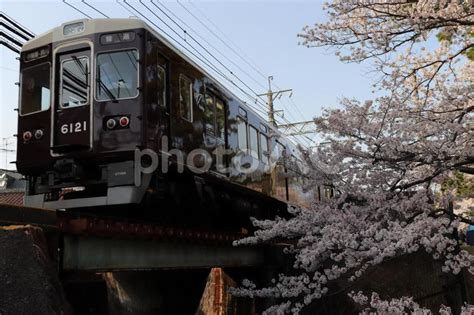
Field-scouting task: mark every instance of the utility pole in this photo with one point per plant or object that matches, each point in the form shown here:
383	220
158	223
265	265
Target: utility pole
271	96
6	150
290	129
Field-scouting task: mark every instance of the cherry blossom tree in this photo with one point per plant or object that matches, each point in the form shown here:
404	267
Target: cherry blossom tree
388	156
403	305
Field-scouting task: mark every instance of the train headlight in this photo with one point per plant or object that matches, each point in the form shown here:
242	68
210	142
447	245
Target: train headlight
124	121
111	123
27	136
39	134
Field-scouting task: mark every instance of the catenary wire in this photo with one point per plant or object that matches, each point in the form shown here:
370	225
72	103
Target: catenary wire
90	17
246	59
18	25
206	41
95	9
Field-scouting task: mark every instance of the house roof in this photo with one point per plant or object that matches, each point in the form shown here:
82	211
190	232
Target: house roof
14	198
10	173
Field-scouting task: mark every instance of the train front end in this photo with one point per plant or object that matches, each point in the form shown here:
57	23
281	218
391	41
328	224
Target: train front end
80	114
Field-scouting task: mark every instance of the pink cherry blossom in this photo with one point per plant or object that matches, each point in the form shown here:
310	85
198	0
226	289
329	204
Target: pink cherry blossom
387	156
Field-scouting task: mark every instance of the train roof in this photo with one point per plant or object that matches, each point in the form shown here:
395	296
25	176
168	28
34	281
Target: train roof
92	26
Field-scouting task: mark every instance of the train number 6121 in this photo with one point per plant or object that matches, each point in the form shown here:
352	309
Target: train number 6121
74	127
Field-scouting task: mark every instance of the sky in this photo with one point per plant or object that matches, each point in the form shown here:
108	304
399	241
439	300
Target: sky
263	33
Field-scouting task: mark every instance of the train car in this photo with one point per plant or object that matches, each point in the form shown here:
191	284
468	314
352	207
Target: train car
113	116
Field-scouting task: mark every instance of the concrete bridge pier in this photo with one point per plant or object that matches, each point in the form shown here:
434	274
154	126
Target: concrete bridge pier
155	292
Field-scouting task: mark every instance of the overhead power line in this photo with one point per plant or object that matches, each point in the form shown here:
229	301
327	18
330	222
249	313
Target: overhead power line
300	128
76	9
244	58
206	41
9	46
12	34
11	39
20	27
95	9
15	30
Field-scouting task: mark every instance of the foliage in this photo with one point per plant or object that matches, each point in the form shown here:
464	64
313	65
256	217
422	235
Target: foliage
463	186
403	305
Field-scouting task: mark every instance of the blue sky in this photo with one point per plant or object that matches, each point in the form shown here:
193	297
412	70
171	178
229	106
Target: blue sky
265	31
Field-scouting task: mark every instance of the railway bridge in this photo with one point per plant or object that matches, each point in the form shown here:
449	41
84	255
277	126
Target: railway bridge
140	257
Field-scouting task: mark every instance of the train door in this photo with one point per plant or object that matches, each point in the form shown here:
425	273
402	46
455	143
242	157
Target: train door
72	106
214	125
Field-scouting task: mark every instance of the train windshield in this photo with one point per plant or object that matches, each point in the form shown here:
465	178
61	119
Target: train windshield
117	75
35	89
75	82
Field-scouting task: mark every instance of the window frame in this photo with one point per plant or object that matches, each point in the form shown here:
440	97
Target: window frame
20	97
244	122
224	116
278	146
165	85
264	155
96	72
206	109
249	145
191	120
242	112
88	75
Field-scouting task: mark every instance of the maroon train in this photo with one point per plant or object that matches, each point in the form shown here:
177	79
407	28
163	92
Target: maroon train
93	93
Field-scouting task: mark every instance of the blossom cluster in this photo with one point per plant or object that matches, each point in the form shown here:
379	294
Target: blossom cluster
386	156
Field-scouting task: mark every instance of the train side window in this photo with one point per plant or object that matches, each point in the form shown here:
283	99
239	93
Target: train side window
242	112
264	149
280	153
242	134
220	119
209	115
186	98
74	82
253	137
161	90
35	93
117	75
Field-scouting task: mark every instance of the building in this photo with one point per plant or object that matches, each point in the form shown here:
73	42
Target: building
12	188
